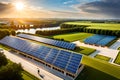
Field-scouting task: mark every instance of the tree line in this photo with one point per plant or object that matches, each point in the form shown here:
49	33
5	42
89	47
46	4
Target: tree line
73	28
41	24
6	32
55	32
64	26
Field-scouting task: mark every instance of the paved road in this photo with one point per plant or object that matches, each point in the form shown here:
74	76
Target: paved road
30	67
100	50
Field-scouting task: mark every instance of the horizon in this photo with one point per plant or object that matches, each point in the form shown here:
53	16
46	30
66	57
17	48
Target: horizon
73	9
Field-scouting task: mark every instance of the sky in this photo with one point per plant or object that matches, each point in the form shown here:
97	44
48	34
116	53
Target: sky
82	9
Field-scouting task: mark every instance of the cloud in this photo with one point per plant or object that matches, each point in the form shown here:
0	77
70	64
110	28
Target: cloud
108	8
5	7
8	10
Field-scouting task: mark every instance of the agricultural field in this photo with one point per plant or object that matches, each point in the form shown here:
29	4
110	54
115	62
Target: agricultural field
101	57
107	26
117	60
73	36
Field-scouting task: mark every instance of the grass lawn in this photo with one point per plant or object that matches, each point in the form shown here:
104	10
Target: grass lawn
28	76
108	26
90	73
117	60
101	57
73	36
84	50
102	66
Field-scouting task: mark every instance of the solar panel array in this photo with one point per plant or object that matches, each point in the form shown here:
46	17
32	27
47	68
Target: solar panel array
101	40
106	40
65	60
57	43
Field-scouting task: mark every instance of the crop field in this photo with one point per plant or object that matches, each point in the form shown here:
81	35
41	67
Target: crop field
101	57
108	26
73	36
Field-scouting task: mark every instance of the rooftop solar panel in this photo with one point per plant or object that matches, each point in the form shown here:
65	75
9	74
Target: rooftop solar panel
57	43
60	58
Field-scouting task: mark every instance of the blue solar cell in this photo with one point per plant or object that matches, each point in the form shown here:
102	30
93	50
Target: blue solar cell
101	40
57	43
60	58
106	40
49	60
70	69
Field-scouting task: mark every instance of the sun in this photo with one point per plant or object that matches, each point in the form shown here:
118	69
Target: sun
19	6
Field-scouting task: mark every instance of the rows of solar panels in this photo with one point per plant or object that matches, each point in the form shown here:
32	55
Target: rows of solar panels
57	43
101	40
60	58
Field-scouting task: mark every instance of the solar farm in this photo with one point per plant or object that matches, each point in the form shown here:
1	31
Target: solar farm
61	44
65	61
72	55
101	40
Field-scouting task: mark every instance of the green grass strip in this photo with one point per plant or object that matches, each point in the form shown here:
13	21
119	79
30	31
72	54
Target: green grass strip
101	57
27	76
84	50
117	60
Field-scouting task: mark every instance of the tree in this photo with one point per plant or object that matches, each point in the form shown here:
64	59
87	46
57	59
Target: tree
11	71
3	59
13	33
4	33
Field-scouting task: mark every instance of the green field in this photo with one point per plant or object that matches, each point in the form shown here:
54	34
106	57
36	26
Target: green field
28	76
101	66
73	36
84	50
108	26
101	57
90	73
117	60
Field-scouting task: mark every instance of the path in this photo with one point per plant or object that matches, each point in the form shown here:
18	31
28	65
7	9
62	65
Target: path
100	50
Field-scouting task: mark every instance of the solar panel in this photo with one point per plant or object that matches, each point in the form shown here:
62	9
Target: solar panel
60	58
101	40
57	43
106	40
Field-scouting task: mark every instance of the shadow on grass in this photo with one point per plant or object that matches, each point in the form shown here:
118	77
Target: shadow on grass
92	74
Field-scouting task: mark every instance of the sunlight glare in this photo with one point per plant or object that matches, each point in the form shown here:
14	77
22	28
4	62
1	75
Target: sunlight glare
19	6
